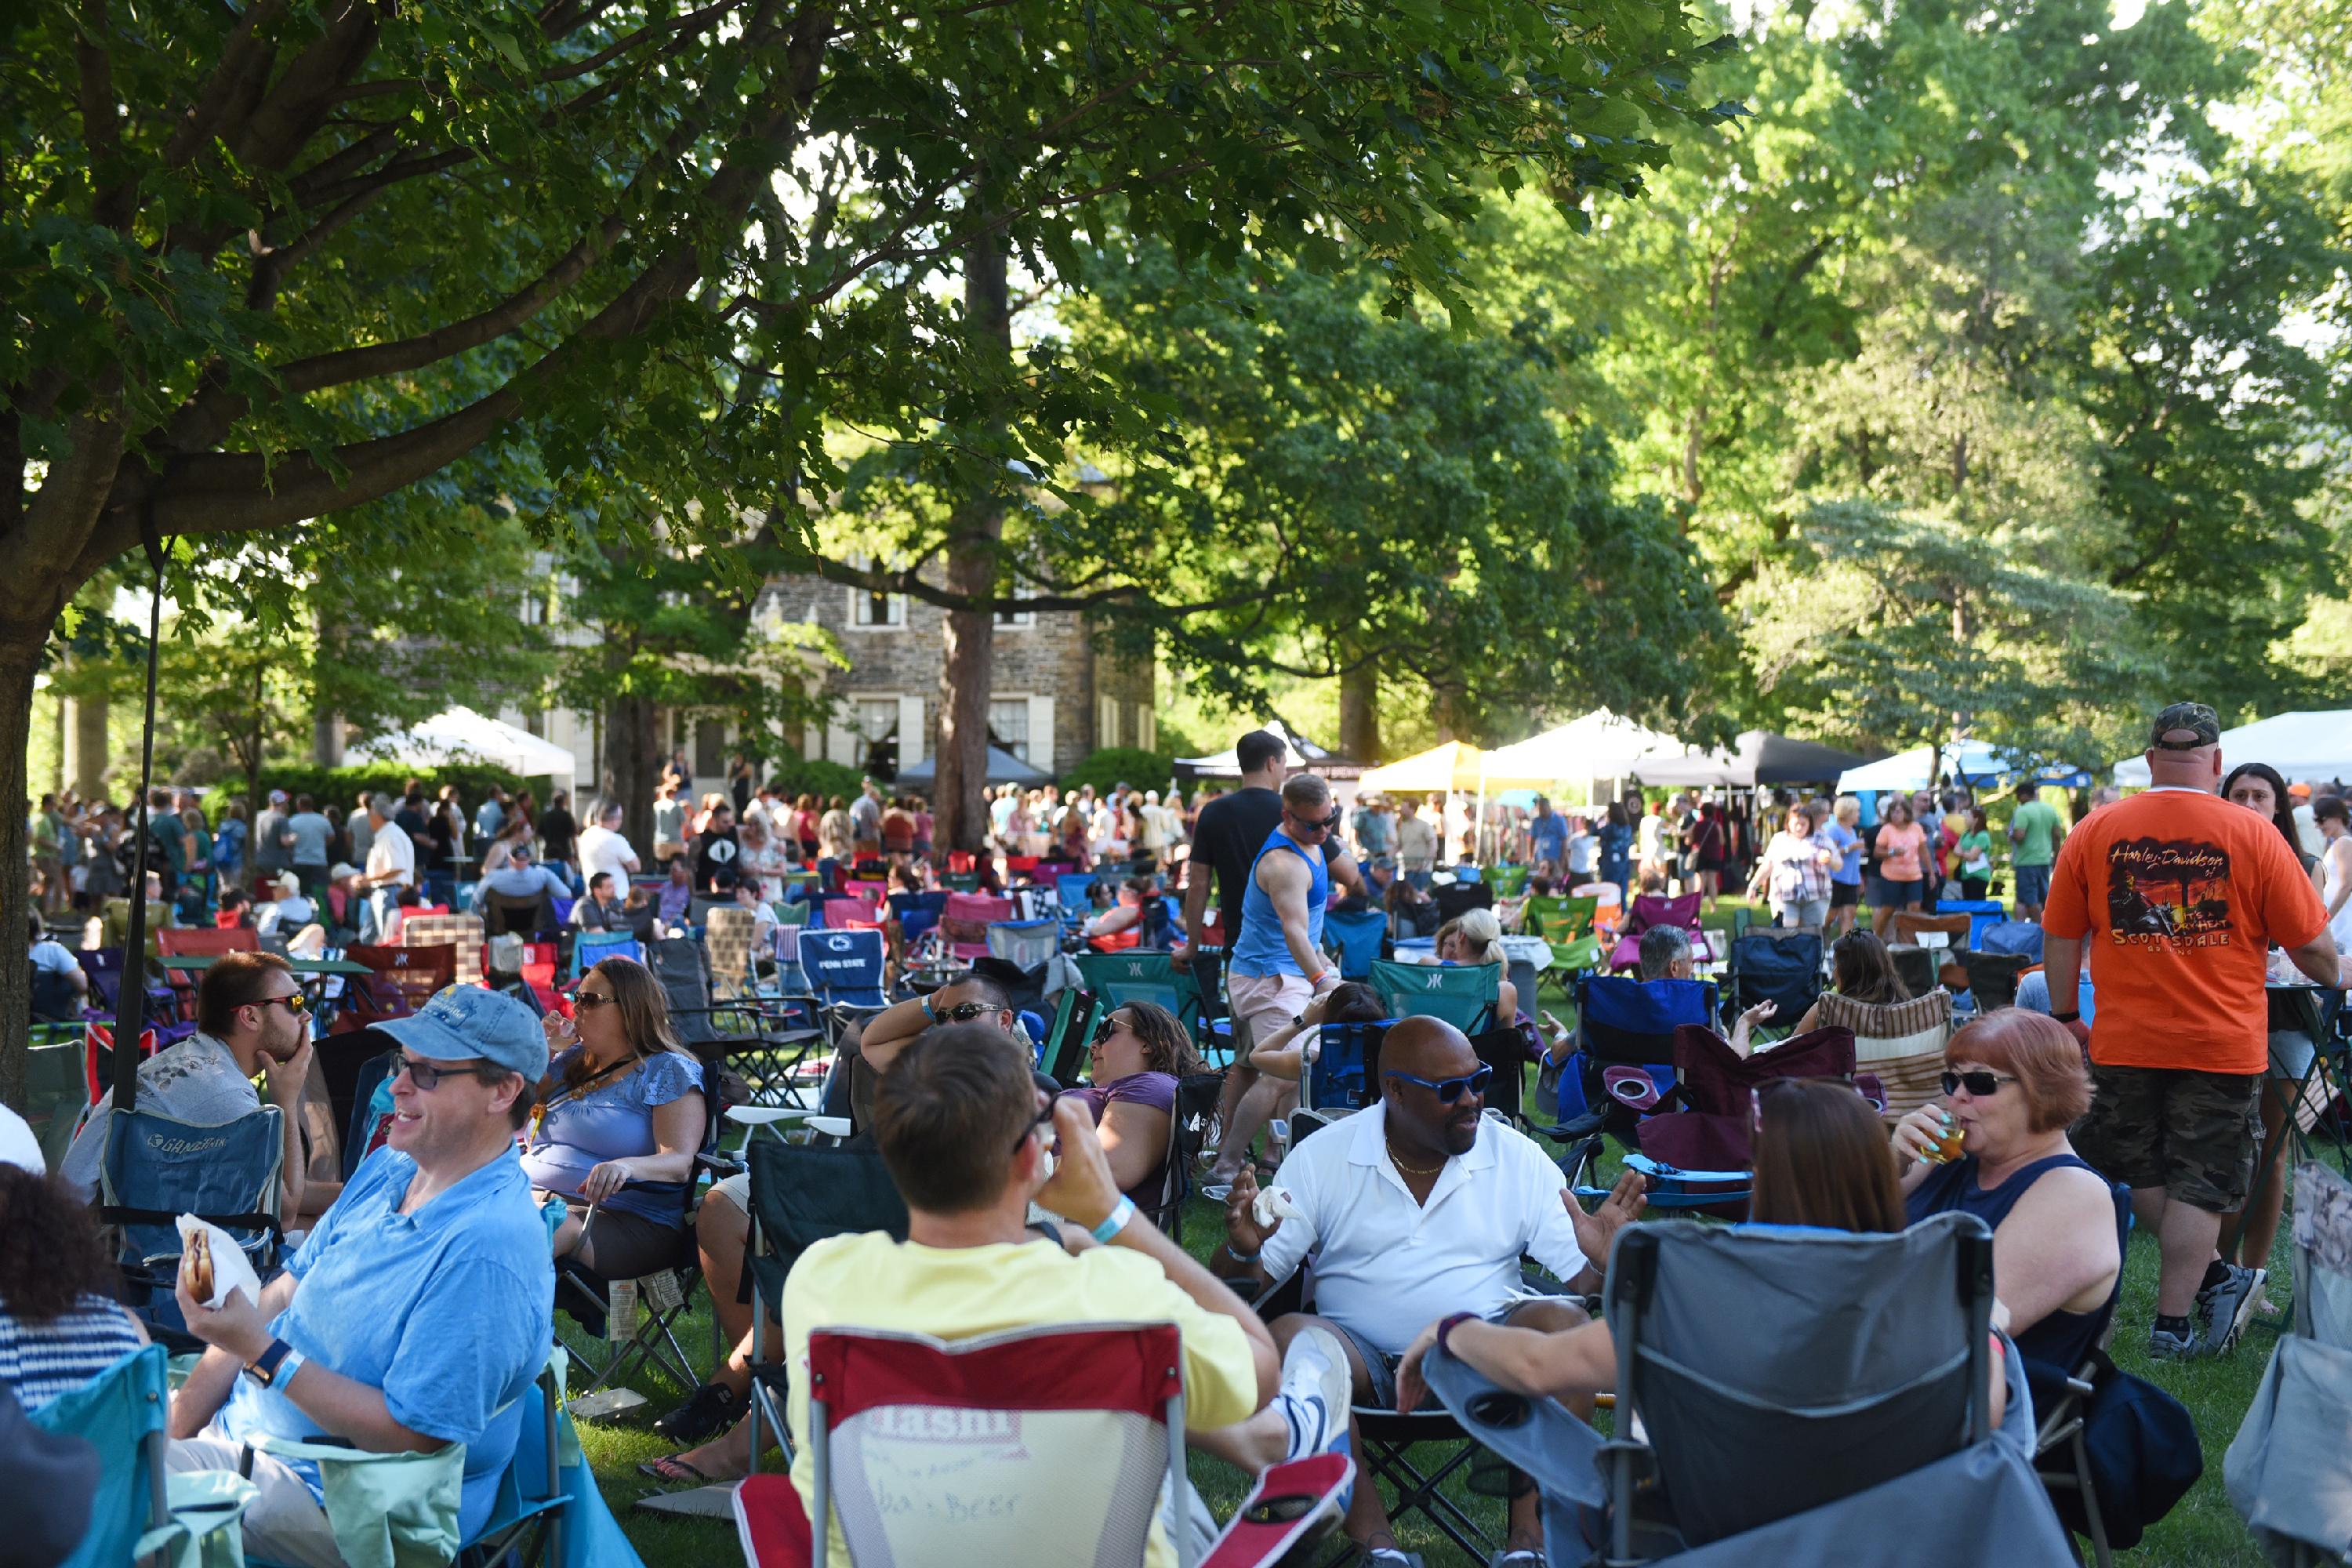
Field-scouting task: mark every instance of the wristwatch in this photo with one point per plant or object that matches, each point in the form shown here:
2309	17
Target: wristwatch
279	1363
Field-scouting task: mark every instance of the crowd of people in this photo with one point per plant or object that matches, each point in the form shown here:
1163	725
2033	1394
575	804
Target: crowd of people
418	1306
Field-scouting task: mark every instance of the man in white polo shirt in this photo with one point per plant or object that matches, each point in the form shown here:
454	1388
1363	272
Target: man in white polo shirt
1415	1208
391	865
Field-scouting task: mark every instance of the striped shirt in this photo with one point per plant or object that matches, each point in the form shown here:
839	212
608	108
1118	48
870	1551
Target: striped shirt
42	1361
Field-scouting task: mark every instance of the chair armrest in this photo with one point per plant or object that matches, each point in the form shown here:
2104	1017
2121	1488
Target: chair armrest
772	1523
1293	1503
719	1165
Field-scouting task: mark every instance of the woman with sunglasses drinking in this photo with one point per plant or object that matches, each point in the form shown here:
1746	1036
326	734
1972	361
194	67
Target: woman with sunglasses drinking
621	1116
2013	1082
1137	1053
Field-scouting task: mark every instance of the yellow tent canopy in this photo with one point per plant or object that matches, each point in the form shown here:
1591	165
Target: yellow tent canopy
1452	766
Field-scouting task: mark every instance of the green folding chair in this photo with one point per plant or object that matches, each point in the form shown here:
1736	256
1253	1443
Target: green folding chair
792	914
1510	881
1140	975
961	881
1557	918
1464	995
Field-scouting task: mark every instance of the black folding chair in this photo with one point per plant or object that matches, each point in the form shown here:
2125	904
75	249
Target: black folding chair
750	1035
1993	978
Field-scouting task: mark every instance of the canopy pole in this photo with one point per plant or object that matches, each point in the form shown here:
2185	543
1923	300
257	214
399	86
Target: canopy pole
131	1000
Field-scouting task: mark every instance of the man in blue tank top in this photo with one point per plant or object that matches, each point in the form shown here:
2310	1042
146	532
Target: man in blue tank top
1277	965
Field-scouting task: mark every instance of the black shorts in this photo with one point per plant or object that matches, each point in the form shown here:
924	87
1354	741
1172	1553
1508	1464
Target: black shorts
630	1246
2191	1133
1892	895
1844	895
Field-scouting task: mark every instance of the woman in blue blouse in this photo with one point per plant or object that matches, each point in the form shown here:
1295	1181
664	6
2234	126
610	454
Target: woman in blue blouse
621	1118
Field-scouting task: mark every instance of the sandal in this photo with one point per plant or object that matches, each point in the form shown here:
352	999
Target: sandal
1389	1557
1517	1557
673	1470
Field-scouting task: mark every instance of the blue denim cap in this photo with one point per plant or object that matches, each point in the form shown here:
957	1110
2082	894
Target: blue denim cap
464	1022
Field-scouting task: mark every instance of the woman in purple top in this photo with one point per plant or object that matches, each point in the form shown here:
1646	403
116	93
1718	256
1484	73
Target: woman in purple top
621	1116
1138	1051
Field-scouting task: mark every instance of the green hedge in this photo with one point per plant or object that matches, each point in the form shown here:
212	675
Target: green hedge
816	776
342	786
1137	768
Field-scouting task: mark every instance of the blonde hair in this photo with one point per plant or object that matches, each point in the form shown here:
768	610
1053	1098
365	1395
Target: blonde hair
1848	806
1481	928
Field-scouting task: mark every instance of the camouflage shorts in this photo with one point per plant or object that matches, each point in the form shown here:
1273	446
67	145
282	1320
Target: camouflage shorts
2191	1133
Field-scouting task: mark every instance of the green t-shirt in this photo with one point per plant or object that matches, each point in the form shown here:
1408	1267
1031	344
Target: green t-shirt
2038	823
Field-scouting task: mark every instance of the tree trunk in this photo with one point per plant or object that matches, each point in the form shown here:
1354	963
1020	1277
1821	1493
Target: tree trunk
633	762
20	655
969	668
1360	715
87	770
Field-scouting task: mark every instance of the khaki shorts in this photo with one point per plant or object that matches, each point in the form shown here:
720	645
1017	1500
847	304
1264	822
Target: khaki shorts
1263	1003
2191	1133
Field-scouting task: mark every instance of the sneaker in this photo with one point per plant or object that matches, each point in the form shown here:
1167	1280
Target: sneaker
714	1409
1314	1396
2228	1305
2163	1344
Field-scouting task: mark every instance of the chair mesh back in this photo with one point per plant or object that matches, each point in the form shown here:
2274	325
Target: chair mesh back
1459	899
684	970
180	1167
464	931
1993	978
1462	994
1028	943
1624	1022
1784	970
1848	1363
803	1194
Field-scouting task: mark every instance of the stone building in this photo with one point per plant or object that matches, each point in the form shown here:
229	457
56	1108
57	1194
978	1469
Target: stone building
1057	694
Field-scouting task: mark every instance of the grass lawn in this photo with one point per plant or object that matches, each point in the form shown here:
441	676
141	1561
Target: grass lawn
2201	1532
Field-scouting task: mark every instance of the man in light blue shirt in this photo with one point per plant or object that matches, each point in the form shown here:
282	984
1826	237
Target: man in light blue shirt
520	879
417	1314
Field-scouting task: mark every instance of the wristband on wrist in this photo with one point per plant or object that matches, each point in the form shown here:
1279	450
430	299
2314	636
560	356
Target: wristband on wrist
1446	1327
1238	1256
1115	1221
2066	1017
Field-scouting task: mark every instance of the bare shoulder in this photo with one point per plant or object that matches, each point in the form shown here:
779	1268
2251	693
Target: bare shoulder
2069	1195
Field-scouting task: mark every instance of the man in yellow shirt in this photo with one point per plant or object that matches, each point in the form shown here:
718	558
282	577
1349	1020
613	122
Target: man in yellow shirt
953	1104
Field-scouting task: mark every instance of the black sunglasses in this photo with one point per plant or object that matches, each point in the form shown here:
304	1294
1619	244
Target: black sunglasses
1312	824
296	1004
427	1076
1979	1083
1051	1090
963	1012
1450	1090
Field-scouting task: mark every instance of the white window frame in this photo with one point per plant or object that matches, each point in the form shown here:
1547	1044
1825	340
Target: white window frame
1017	701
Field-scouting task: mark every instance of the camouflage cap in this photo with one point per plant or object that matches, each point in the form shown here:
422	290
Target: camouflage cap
2185	727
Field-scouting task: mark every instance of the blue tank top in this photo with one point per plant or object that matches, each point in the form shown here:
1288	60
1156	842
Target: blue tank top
1258	947
2062	1339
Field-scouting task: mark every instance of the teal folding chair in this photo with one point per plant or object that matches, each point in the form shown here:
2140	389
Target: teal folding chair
1464	995
1140	975
592	947
137	1514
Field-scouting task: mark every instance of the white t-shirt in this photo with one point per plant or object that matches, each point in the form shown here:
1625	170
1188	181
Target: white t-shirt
1580	848
392	851
54	957
601	850
1386	1266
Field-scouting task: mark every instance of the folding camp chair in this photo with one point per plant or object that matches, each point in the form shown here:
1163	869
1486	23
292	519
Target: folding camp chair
966	919
584	1294
1073	1434
2011	936
1345	1075
1212	1031
1139	975
727	937
2062	1398
1025	944
138	1509
1846	1402
1945	937
1074	896
464	931
1992	977
753	1035
415	973
518	914
180	941
800	1194
1455	901
1510	881
1653	910
155	1168
1192	1128
1984	913
1464	995
1357	941
1623	1069
846	971
1900	1044
96	1052
1779	966
1558	917
2287	1470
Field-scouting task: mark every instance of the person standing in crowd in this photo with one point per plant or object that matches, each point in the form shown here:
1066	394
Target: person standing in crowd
836	838
1794	873
2180	895
1846	878
228	846
1650	843
2306	826
1278	965
1372	827
2335	865
669	824
1548	839
717	852
490	816
866	821
1902	865
1972	856
1709	846
604	849
738	782
391	865
559	831
1583	852
1617	851
2035	832
361	838
1416	841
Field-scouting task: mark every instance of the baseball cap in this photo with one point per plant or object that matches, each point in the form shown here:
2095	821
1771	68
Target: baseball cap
2299	790
287	880
2194	719
464	1022
277	797
19	1147
341	869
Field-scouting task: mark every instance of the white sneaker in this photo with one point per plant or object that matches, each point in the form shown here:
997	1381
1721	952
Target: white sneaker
1314	1396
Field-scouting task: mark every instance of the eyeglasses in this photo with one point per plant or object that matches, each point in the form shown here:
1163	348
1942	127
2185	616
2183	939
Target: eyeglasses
427	1076
592	999
1979	1083
1450	1090
296	1004
1317	824
963	1012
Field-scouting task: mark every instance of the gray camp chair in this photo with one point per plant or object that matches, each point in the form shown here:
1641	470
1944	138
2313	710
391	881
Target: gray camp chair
2287	1472
1839	1416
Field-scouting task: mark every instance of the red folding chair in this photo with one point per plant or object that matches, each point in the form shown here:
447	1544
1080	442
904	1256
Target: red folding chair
958	859
98	1059
1064	1435
199	941
416	973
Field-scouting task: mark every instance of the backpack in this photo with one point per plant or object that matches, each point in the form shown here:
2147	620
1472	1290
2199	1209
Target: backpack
2144	1455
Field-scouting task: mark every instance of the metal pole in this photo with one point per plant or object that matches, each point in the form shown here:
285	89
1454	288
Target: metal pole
130	1001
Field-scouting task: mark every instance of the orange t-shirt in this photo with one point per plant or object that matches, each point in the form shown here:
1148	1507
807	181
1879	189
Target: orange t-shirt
2181	896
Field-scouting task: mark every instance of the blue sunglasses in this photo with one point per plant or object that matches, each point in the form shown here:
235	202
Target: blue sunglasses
1449	1089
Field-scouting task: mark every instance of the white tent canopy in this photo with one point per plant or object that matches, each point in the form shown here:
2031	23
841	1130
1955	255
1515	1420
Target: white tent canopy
1601	745
1296	755
2312	747
462	735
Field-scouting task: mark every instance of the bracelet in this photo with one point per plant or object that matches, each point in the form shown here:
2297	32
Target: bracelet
1446	1327
1237	1255
2067	1017
1115	1221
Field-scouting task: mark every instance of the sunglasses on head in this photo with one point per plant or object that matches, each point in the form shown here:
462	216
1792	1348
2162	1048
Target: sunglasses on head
1450	1090
1979	1083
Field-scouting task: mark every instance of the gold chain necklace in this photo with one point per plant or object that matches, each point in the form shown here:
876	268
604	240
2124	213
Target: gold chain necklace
1413	1170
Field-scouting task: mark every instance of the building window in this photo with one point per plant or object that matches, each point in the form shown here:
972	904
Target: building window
872	612
1015	620
1008	724
878	733
1147	727
1106	721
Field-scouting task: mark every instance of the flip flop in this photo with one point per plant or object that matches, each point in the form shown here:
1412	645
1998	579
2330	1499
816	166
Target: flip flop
672	1470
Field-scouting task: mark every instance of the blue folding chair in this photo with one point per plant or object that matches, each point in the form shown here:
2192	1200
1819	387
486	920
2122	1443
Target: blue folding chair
1346	1059
845	969
916	914
1982	914
2018	937
1074	891
1356	939
592	947
1625	1022
120	1413
155	1168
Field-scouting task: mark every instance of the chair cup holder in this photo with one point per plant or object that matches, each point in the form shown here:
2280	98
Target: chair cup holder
1499	1408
